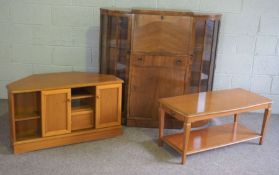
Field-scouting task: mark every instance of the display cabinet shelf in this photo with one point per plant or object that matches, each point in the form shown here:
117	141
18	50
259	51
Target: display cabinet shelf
81	109
81	96
26	117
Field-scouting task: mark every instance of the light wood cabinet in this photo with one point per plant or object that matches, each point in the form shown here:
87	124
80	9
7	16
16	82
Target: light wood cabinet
108	105
158	53
63	108
56	112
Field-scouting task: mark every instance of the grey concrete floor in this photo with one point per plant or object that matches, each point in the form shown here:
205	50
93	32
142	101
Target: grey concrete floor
136	152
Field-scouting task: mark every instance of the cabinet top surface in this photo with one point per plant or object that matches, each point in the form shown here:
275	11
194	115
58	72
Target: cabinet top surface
38	82
159	11
203	103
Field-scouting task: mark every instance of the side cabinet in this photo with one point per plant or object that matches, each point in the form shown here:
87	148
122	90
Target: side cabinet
56	112
108	105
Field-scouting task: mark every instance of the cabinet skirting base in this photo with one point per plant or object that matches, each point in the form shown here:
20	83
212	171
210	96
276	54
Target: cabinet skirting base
75	137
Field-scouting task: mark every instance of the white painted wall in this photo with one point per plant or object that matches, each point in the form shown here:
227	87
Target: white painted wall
38	36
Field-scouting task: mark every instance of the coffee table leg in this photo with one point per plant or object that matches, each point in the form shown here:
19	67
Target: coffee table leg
235	126
161	126
186	136
235	118
265	122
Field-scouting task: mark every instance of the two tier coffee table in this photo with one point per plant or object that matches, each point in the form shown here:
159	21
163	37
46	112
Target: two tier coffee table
207	105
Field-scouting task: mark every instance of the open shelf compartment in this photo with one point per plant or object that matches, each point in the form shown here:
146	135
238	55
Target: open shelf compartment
28	129
82	93
83	105
212	137
27	108
82	99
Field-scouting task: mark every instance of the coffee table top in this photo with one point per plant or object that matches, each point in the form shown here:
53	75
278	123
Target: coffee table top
204	103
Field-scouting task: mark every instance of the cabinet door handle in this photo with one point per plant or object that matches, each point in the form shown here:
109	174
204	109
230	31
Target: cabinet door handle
98	97
178	62
140	60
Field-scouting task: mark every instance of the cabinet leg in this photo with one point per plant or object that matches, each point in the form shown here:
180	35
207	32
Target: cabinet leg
161	126
186	136
267	113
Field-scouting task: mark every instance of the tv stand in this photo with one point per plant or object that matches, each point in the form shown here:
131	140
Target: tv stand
48	110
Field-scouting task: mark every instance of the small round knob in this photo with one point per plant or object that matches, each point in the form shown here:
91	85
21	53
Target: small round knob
178	61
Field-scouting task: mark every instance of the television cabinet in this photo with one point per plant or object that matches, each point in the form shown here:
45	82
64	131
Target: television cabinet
48	110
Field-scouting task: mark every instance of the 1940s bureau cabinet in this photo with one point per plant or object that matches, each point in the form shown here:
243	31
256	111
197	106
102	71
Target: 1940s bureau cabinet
158	53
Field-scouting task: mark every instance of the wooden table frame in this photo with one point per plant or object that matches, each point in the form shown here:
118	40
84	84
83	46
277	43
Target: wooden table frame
163	109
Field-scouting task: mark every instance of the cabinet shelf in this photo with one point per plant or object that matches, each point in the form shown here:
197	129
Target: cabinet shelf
23	117
81	96
198	49
28	137
81	109
204	76
82	93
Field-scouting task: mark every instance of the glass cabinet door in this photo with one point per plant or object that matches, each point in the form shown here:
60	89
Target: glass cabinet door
115	47
204	55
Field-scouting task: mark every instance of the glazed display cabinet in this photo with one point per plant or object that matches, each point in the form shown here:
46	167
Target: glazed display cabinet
158	53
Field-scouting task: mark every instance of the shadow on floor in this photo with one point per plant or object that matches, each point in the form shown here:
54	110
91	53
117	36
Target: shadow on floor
4	135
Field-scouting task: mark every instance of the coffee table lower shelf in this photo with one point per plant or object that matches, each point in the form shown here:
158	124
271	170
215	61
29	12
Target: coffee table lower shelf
212	137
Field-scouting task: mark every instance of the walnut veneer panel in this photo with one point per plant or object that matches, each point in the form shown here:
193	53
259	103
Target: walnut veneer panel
154	77
162	34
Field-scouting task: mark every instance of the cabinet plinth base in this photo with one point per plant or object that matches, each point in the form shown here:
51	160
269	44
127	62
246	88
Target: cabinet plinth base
78	137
